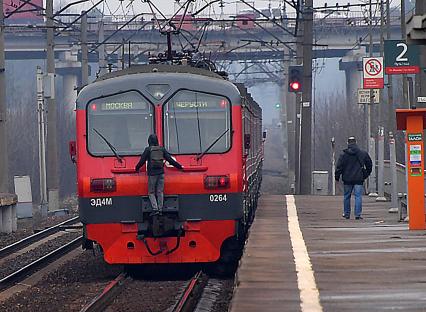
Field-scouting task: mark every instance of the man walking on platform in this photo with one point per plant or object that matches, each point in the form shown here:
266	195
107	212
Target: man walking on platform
156	155
354	165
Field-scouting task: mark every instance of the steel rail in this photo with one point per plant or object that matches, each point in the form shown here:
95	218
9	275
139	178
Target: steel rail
35	237
43	261
110	292
191	294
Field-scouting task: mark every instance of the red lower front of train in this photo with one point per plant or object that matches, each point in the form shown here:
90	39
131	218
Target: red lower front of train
201	242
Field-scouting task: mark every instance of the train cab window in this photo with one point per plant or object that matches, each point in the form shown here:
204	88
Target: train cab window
194	120
125	120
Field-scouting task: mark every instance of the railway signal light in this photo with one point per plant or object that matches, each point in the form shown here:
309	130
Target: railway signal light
295	75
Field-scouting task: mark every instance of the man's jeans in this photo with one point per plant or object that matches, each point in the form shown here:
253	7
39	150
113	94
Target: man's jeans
358	190
155	191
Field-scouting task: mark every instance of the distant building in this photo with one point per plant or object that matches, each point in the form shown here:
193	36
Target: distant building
31	12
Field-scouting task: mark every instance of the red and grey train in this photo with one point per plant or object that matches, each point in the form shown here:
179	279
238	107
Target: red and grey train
210	125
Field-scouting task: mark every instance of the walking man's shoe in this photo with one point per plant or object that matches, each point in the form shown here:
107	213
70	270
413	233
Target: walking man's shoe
359	218
345	216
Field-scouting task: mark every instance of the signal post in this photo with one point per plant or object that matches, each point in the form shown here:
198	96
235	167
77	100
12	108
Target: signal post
414	122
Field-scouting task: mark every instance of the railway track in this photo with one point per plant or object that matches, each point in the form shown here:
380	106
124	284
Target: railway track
43	261
24	257
192	293
187	300
113	289
36	237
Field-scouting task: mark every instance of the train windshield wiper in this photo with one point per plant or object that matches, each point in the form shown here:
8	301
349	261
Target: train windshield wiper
113	149
199	156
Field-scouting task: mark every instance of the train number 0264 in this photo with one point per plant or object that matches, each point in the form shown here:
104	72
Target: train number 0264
218	197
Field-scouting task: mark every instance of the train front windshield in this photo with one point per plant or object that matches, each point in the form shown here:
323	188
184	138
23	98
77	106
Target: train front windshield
122	122
195	120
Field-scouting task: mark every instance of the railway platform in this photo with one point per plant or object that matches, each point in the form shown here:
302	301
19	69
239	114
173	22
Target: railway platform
301	255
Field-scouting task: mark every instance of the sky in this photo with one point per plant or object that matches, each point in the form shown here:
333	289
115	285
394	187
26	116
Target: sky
268	94
168	6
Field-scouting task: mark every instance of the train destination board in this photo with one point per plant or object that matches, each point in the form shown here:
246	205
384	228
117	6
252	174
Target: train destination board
192	104
119	106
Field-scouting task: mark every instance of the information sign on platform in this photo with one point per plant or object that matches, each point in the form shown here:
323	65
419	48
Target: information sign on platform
401	58
373	72
416	158
364	96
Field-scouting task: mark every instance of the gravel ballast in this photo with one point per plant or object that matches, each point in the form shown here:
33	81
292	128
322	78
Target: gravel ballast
22	260
66	289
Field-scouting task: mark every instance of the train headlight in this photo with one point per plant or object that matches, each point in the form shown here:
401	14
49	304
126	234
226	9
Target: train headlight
103	185
216	182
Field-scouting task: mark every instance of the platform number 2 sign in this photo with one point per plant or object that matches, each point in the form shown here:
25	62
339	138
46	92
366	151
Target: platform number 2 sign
401	58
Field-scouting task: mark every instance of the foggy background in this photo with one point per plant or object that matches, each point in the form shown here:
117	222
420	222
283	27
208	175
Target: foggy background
329	99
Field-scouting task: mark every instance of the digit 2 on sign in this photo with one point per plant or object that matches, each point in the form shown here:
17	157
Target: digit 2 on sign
401	57
217	197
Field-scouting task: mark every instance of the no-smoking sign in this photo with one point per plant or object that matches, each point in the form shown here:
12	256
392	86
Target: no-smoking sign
373	72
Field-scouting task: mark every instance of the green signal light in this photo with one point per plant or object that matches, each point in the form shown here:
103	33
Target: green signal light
277	105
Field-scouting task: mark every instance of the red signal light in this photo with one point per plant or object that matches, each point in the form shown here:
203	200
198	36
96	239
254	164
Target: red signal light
295	85
223	103
93	106
295	78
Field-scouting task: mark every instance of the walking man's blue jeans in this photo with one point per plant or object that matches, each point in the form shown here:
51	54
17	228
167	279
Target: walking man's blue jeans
358	190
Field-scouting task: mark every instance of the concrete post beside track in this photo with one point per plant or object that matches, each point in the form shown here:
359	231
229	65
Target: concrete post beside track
84	51
372	181
8	212
41	114
101	49
52	142
4	172
306	109
381	161
394	183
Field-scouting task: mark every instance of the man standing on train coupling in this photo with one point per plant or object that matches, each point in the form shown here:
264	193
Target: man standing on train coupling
156	155
354	165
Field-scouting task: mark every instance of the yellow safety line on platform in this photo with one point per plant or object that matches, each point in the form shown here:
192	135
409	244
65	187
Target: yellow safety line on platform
309	294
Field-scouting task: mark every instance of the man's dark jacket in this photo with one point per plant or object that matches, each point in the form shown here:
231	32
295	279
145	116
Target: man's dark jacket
153	141
354	165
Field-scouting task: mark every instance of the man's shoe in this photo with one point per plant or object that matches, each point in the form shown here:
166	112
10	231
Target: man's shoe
359	218
345	216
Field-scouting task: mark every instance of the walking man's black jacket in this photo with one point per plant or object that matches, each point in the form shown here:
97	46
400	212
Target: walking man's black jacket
354	165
